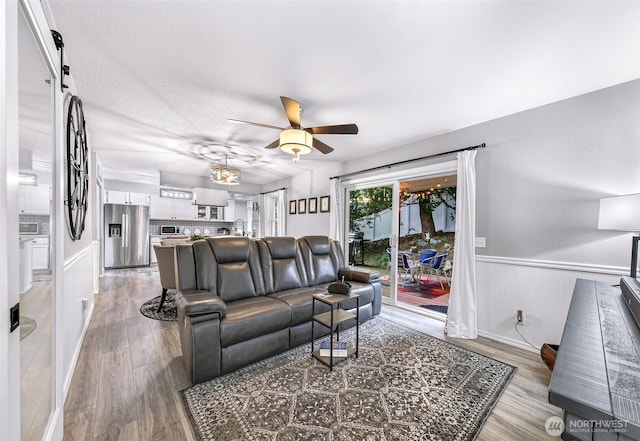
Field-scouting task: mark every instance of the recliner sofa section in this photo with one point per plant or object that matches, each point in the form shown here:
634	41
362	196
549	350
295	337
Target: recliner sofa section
241	300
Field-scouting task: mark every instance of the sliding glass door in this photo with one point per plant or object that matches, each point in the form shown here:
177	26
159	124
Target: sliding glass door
370	218
402	225
426	235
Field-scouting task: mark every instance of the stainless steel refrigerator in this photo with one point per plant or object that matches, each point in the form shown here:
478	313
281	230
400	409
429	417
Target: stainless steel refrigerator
126	235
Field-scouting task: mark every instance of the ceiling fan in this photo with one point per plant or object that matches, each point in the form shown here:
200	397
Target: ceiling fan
297	140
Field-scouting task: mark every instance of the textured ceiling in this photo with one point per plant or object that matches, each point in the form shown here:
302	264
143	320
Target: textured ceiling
160	79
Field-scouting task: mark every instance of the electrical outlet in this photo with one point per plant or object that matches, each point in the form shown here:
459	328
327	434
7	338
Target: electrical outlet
520	317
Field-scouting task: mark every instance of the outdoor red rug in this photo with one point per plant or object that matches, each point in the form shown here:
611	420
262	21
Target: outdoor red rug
427	295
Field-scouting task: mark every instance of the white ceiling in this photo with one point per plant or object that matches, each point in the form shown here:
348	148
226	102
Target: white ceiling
159	79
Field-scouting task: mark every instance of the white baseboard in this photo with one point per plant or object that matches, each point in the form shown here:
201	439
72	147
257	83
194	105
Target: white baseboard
76	354
507	341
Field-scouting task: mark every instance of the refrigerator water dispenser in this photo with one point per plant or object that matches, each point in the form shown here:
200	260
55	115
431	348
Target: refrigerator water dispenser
115	230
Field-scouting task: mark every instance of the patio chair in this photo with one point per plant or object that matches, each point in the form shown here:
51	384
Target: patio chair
426	260
406	267
437	268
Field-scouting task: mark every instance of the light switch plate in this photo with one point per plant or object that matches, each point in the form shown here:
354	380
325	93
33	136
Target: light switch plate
481	242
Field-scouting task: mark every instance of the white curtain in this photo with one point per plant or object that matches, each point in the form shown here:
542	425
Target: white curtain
261	216
335	221
462	320
281	212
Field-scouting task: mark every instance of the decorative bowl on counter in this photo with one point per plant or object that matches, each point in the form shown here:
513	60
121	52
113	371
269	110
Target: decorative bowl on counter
195	237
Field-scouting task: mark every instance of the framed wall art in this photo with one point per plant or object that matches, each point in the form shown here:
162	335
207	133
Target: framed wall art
292	207
324	204
302	206
313	205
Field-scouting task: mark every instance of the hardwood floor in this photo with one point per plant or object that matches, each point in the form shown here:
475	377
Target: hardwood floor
35	361
129	373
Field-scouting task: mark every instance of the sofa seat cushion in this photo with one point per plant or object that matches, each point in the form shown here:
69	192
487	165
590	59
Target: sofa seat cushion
252	317
300	301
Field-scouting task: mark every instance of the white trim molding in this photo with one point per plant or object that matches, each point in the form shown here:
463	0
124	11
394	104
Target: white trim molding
550	264
541	289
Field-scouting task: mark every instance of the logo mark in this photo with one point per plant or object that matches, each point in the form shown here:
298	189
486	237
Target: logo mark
554	426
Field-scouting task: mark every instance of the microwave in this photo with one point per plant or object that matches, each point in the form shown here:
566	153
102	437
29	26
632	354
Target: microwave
28	228
169	229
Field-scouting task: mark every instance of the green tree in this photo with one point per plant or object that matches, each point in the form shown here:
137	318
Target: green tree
367	202
431	199
370	201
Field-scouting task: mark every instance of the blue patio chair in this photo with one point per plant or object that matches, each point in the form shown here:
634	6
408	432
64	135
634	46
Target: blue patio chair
406	267
426	260
437	268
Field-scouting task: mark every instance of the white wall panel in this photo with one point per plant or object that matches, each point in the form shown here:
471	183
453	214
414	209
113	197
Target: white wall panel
541	289
79	273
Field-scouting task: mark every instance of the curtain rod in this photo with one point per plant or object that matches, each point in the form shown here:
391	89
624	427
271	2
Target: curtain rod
394	164
272	191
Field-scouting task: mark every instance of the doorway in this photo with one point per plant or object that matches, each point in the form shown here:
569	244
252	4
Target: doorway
402	224
36	145
426	237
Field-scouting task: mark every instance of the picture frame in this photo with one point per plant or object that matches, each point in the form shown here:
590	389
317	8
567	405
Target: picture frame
292	207
324	204
302	206
313	205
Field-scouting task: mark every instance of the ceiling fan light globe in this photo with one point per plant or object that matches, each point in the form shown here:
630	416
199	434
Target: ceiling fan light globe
296	141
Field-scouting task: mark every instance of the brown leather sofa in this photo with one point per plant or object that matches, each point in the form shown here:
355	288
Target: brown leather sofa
241	300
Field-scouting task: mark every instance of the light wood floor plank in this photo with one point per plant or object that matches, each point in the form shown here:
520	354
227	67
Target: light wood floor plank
116	393
129	374
159	418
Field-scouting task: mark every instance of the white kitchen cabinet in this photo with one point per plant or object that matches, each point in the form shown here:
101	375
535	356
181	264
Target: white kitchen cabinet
35	199
208	212
152	255
139	199
169	208
40	259
126	198
24	263
230	211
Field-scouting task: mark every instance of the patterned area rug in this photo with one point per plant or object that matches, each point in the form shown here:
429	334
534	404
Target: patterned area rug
405	385
27	326
168	311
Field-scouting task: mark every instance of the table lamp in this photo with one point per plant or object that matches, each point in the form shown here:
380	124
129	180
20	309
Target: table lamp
622	213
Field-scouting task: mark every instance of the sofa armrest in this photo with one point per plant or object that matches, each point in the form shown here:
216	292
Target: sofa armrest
358	276
196	303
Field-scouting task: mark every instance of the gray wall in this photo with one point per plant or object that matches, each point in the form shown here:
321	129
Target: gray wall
539	181
540	178
309	184
543	172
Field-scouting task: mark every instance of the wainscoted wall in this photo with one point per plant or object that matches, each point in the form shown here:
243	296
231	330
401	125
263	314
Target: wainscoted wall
80	273
541	289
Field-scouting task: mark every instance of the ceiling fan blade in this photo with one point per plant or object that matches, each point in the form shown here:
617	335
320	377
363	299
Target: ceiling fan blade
321	146
237	121
292	109
274	144
342	129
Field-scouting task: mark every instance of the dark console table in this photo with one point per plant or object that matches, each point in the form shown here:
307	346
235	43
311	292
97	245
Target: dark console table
596	378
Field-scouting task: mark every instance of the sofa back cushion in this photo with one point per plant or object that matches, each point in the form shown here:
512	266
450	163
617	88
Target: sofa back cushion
282	264
321	261
229	267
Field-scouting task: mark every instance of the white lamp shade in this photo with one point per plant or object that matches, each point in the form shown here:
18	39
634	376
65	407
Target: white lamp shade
621	213
296	141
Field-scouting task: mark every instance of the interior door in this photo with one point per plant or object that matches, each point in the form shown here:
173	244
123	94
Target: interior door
36	144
